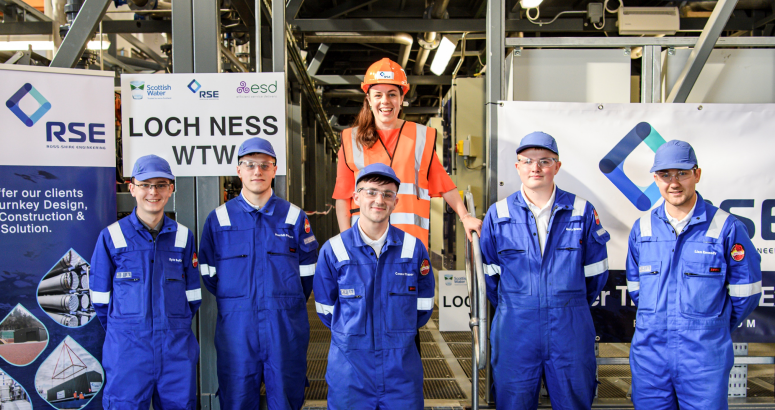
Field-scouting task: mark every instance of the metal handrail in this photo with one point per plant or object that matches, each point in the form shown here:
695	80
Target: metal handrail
477	294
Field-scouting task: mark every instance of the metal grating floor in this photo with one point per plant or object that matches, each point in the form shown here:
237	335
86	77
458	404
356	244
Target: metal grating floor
466	365
441	388
461	350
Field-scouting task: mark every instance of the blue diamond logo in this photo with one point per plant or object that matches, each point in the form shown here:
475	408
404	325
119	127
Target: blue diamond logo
13	104
194	86
612	165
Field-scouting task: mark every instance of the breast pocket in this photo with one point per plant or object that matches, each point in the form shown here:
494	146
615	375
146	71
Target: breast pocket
515	264
702	288
402	301
175	301
283	260
649	273
568	272
233	271
128	285
350	315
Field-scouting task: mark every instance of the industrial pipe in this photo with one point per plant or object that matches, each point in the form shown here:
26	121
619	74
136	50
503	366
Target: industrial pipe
85	301
60	303
404	39
64	282
85	281
67	320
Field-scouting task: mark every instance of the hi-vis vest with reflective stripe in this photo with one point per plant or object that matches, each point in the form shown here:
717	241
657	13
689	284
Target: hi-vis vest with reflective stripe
411	162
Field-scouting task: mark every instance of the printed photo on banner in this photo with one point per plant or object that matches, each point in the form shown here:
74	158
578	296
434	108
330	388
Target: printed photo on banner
13	396
63	292
22	337
70	377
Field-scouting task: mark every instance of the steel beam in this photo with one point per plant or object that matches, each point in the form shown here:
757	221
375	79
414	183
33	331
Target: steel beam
137	26
279	64
314	65
701	51
344	8
28	10
292	9
651	75
255	37
28	27
81	31
182	36
357	79
621	42
417	25
134	41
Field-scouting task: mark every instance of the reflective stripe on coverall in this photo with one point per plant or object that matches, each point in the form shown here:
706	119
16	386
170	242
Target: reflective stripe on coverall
145	293
259	265
691	291
374	306
542	324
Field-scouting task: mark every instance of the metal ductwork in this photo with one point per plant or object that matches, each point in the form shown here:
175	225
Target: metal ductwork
404	39
437	12
430	38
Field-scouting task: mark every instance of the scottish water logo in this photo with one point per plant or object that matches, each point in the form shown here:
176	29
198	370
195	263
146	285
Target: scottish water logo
612	165
13	104
137	88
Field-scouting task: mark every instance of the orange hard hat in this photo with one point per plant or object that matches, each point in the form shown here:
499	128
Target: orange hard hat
385	71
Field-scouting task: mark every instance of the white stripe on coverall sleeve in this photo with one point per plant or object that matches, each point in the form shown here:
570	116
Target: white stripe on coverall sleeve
193	295
596	268
424	303
492	270
742	291
100	297
632	286
324	309
307	270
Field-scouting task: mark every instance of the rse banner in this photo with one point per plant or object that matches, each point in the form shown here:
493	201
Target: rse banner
607	151
197	121
57	191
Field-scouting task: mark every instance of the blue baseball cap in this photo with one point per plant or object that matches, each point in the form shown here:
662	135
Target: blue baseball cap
378	169
256	145
151	166
674	154
538	139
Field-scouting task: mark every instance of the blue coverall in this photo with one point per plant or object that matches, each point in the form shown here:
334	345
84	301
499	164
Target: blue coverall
692	290
145	293
542	323
259	265
374	306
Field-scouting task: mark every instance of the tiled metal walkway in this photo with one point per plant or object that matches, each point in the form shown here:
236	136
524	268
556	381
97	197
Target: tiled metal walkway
446	358
446	379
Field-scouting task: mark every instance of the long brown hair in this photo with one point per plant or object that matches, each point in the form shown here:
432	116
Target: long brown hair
367	134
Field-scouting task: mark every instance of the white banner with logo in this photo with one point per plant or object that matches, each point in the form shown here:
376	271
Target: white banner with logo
454	303
198	121
607	151
56	117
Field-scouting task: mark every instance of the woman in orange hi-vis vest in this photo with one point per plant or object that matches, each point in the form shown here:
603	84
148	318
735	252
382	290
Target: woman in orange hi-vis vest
378	135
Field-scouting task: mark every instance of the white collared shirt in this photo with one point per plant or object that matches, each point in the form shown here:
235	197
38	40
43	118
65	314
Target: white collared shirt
375	244
257	207
680	225
541	215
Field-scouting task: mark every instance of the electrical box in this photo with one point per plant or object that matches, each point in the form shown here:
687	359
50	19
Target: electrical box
648	20
469	147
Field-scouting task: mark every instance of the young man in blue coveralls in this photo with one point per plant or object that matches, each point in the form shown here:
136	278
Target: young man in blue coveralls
374	288
694	275
258	258
145	289
546	261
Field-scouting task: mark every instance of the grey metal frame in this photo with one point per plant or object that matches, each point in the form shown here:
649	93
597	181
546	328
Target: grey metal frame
83	28
477	294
